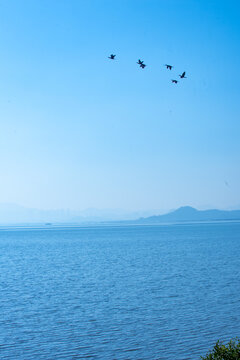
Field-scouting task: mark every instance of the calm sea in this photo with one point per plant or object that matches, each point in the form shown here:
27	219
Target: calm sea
130	292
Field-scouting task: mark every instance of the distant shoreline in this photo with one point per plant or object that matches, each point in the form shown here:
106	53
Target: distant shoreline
65	226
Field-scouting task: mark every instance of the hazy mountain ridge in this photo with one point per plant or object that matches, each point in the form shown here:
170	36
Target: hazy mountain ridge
188	213
13	213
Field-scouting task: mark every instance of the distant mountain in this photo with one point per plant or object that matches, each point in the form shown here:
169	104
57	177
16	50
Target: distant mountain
13	214
187	213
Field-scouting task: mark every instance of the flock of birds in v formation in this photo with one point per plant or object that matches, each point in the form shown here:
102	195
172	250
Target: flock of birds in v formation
142	65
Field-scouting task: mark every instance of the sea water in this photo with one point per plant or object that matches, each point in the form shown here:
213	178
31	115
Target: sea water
118	292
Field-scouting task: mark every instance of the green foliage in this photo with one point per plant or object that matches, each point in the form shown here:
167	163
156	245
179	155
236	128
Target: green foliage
230	351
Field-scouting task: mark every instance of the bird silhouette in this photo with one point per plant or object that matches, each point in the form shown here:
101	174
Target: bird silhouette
140	62
174	81
112	57
169	66
182	76
143	66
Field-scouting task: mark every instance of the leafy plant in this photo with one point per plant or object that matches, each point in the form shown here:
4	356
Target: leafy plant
230	351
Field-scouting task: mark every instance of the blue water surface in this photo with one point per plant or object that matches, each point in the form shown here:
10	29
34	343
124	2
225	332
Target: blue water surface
118	292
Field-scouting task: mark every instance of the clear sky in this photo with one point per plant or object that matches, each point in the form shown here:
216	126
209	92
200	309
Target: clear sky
79	130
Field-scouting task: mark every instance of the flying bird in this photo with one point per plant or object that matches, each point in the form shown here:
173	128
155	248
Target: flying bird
182	76
169	66
112	57
140	62
174	81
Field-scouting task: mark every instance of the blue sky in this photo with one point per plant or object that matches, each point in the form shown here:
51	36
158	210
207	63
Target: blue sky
80	131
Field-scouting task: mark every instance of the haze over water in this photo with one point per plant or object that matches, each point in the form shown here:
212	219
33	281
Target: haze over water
133	292
102	139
